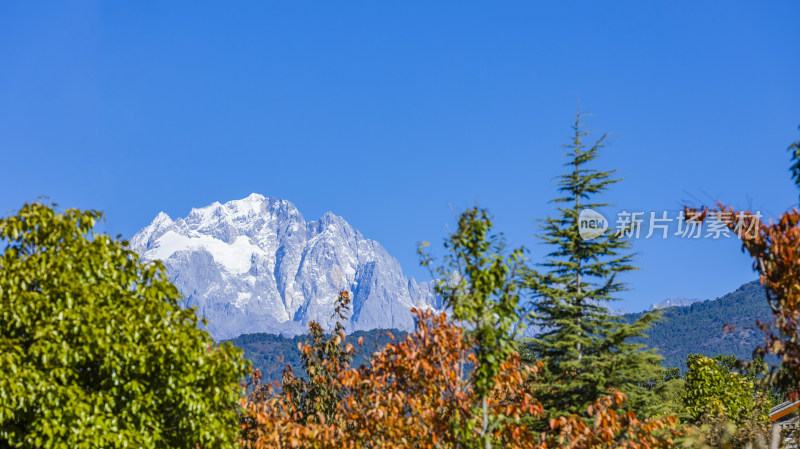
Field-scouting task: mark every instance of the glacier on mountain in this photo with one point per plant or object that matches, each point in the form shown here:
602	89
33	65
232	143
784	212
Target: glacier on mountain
255	265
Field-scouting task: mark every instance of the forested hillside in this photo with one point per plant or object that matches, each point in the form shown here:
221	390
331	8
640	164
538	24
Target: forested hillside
271	353
694	329
698	328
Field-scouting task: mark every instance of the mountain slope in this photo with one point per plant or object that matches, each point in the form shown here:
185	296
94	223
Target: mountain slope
255	265
698	328
270	353
683	330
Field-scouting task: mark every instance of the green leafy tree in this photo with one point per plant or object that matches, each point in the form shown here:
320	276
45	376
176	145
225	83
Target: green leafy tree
757	372
94	348
585	350
726	404
480	285
783	382
669	391
711	387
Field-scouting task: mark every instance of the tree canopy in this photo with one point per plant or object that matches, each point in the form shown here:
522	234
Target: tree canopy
94	348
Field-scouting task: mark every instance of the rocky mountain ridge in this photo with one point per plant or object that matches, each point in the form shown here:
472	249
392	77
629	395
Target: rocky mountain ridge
673	302
255	265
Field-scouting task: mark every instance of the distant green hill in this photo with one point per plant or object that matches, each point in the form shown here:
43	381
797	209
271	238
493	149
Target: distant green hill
698	328
271	353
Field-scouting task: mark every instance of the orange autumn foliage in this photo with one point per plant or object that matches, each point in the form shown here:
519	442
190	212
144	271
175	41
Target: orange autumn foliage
611	429
418	393
270	420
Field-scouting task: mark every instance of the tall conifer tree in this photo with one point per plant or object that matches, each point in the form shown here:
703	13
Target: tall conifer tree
585	349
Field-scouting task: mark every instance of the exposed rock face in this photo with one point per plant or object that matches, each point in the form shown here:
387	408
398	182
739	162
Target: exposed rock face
255	265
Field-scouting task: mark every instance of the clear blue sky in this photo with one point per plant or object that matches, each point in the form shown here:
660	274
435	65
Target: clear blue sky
391	113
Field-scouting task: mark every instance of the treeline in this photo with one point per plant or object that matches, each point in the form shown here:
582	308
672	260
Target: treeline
723	326
270	354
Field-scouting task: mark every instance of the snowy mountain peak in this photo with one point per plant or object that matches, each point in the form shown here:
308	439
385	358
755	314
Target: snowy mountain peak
255	265
673	302
162	217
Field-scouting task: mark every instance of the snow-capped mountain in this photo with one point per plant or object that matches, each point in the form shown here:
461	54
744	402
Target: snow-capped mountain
255	265
673	302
